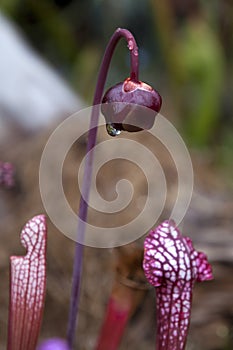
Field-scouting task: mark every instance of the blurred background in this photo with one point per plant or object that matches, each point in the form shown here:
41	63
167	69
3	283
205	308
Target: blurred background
50	56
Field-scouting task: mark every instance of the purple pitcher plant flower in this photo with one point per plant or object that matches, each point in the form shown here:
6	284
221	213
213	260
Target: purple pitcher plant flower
27	288
170	262
172	266
130	106
131	97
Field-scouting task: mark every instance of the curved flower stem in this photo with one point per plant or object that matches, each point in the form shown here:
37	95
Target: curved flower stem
83	208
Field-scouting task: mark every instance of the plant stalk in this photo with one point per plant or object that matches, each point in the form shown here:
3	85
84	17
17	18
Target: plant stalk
83	207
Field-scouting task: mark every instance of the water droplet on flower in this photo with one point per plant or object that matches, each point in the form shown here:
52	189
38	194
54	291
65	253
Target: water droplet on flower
112	129
130	45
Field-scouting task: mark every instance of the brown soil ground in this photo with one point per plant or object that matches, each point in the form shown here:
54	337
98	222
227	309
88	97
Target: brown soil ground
208	222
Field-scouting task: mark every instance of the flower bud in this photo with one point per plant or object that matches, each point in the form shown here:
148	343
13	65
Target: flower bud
131	106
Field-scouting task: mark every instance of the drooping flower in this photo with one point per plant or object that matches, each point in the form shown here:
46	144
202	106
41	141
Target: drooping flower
131	106
135	93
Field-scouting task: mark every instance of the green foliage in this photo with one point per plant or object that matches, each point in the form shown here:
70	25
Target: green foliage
185	51
9	6
202	72
84	71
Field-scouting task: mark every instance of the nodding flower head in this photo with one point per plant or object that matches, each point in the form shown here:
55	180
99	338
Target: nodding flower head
131	106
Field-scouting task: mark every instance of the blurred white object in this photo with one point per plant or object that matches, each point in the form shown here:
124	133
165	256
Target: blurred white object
31	92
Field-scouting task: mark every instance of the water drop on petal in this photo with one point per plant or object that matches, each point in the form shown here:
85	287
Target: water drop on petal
112	129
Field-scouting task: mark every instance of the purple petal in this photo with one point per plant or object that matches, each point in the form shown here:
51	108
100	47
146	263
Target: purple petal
53	344
27	287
